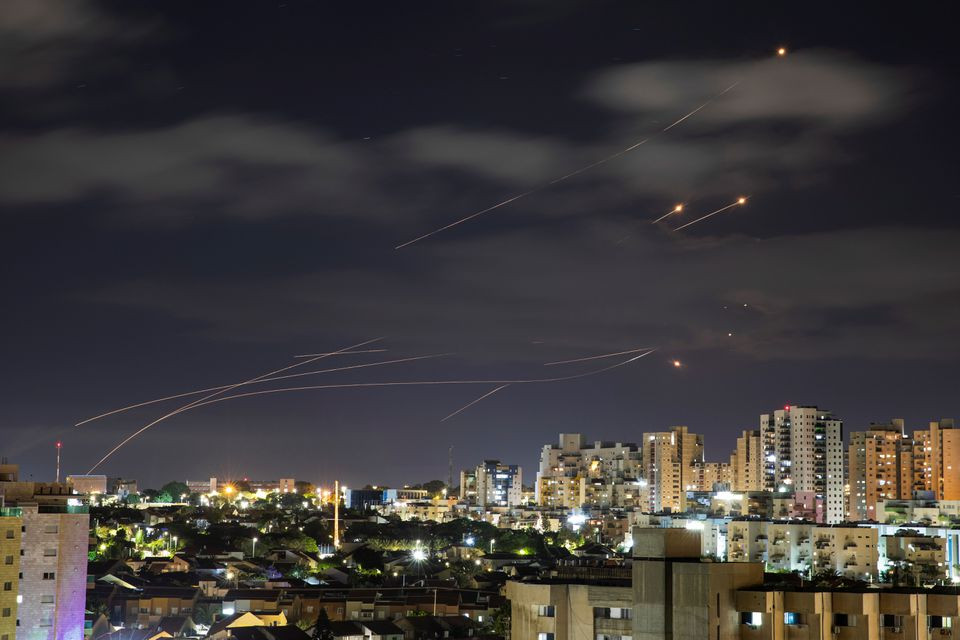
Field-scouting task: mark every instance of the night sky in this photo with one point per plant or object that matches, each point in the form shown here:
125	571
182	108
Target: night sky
194	192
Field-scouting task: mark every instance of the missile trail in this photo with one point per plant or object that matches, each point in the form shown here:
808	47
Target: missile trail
676	209
270	379
473	402
206	398
345	353
566	176
414	383
737	203
358	385
604	355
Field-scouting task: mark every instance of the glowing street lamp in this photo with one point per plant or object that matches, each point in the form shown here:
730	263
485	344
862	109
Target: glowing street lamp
255	546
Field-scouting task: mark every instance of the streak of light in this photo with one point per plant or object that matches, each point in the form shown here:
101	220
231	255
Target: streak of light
345	353
359	385
207	398
676	209
565	176
473	402
604	355
415	383
270	379
738	202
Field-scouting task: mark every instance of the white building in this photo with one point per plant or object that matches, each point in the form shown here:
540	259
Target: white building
803	453
498	484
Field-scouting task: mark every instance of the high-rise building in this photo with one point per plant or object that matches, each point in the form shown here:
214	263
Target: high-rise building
498	484
936	460
468	486
879	467
668	466
43	560
611	469
710	476
803	454
746	463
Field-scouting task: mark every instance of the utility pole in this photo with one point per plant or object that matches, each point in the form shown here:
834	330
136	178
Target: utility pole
336	514
59	446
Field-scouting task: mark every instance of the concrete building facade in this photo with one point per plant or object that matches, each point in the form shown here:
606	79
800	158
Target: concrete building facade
803	453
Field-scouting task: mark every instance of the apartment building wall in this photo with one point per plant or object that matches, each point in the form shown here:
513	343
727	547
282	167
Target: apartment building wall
803	452
54	572
746	463
573	473
879	467
676	595
10	524
498	484
569	611
669	459
770	614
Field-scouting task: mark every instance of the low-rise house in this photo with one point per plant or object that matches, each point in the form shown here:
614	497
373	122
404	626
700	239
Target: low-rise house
381	630
225	627
346	630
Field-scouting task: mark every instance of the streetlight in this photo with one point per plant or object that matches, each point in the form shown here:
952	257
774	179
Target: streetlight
254	547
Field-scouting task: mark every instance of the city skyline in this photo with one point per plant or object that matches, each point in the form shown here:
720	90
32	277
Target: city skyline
192	195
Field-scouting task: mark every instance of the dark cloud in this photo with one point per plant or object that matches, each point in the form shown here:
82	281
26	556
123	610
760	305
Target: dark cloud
791	297
46	43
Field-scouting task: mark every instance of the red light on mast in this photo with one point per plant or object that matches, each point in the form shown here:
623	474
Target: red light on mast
59	444
786	407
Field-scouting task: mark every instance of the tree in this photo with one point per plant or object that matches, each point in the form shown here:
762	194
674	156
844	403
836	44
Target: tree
501	620
322	630
175	489
434	486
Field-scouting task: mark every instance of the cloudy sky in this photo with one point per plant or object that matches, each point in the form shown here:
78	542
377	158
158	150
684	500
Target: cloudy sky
194	193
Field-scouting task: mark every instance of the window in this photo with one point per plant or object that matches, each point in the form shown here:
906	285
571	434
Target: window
790	617
6	612
8	560
544	636
46	599
49	553
10	534
49	575
8	586
546	611
841	620
50	528
751	618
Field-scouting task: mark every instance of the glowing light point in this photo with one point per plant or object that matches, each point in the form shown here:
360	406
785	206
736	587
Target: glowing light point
677	364
678	208
782	51
741	200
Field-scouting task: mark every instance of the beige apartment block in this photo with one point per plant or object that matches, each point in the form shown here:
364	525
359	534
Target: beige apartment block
769	613
569	611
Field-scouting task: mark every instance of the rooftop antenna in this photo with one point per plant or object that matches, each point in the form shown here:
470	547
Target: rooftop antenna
59	446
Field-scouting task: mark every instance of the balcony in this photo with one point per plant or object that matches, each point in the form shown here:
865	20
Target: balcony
849	544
